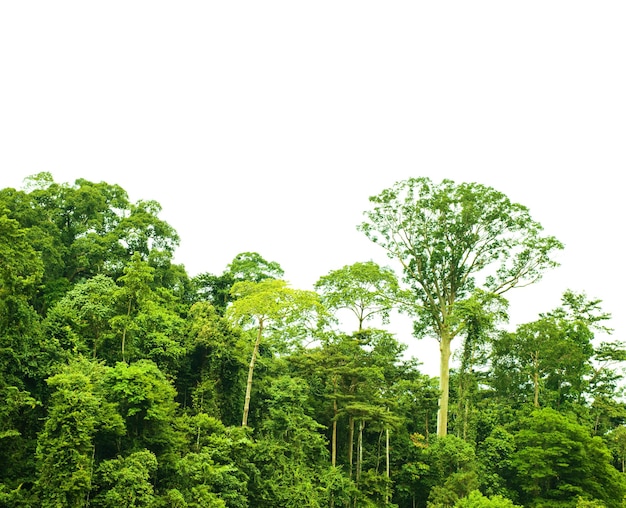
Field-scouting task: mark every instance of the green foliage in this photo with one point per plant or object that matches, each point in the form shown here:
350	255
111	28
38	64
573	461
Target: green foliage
66	445
212	374
20	266
447	235
451	240
247	266
81	320
552	361
216	463
125	482
365	289
291	315
272	303
477	500
122	382
452	470
495	456
557	460
252	267
145	401
85	229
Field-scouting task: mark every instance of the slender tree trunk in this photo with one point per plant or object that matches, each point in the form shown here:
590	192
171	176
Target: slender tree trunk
535	358
333	444
350	443
388	464
359	459
255	351
444	383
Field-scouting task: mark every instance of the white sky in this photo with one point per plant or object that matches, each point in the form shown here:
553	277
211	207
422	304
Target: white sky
265	126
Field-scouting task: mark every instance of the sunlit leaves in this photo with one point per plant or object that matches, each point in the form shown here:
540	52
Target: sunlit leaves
558	460
450	240
365	289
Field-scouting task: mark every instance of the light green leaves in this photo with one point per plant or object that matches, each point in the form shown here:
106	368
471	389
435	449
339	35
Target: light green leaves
365	289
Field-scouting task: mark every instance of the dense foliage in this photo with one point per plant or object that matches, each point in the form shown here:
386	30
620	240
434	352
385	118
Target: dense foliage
127	382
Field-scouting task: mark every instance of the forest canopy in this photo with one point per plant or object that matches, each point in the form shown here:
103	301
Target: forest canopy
128	382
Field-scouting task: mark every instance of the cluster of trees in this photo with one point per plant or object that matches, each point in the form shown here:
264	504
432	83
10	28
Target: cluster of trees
127	382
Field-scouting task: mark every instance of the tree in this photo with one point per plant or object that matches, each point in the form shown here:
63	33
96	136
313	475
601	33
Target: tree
66	446
365	289
270	302
216	466
451	239
495	462
85	229
480	314
80	321
246	266
125	481
21	271
557	460
617	443
552	360
212	372
146	401
292	449
452	474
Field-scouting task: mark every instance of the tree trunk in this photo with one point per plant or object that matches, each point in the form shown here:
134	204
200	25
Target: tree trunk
387	496
444	383
255	351
350	443
535	358
359	459
333	444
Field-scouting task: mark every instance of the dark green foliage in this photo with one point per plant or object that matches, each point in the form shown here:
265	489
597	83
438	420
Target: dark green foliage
212	374
123	380
216	465
245	267
78	412
85	229
145	400
125	481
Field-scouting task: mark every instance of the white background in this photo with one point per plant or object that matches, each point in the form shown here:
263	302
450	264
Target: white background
265	126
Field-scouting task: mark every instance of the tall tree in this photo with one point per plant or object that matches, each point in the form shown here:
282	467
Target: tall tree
246	266
365	289
125	481
451	239
268	303
480	315
552	360
145	400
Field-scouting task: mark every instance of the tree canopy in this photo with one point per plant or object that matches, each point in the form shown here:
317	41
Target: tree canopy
451	239
126	381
